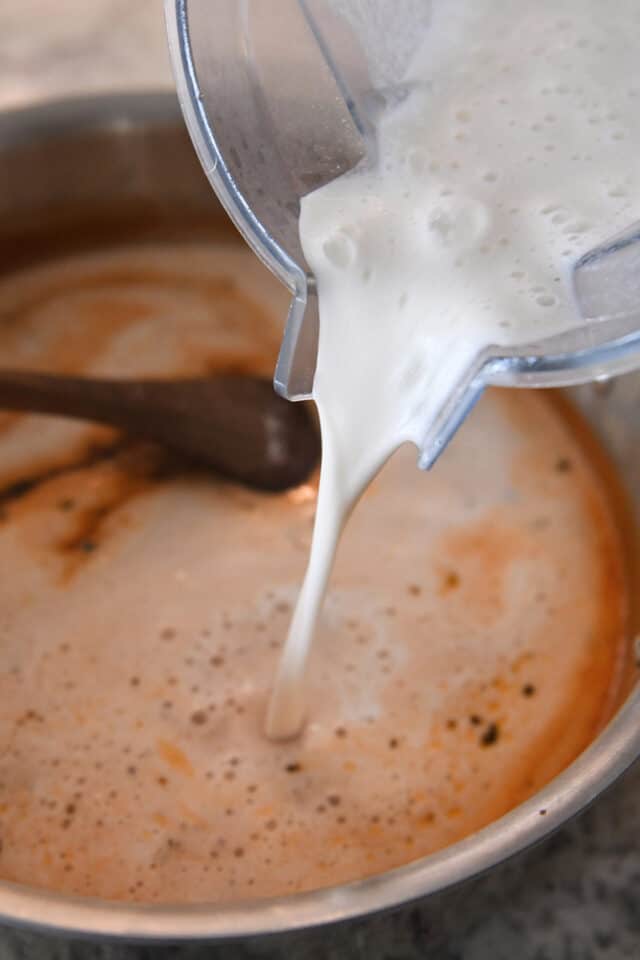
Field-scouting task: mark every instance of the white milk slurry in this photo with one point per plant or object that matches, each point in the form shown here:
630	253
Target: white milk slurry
515	152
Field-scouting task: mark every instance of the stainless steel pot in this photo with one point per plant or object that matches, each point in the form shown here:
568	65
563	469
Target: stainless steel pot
125	165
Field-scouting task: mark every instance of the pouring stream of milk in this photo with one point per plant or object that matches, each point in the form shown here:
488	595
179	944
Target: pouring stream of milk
514	153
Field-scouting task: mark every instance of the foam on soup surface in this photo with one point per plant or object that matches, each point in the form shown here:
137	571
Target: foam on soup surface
469	650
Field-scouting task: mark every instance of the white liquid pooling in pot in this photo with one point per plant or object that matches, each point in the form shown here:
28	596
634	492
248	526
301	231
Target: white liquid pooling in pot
515	153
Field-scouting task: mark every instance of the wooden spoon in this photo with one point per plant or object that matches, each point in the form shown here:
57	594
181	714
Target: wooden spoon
234	423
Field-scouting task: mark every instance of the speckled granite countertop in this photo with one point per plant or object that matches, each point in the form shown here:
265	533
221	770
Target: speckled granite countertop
577	896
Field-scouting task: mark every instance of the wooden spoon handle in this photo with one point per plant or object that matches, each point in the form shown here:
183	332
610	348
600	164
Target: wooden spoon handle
233	423
107	401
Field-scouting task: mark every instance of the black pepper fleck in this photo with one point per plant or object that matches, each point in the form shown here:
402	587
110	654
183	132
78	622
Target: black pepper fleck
490	735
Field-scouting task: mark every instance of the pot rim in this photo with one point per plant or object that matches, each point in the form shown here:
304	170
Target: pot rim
610	754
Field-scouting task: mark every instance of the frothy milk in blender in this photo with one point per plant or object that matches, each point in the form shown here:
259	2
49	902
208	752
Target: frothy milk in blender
514	153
